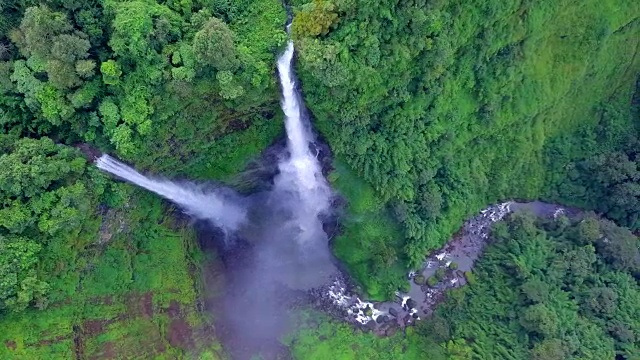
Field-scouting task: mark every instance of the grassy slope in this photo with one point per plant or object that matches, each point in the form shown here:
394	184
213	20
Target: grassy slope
560	84
135	296
366	226
320	338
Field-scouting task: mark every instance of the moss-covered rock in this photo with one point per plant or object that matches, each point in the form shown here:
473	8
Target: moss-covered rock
471	277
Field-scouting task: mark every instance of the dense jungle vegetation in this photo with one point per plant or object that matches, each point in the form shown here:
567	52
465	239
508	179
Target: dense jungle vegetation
89	267
446	106
433	109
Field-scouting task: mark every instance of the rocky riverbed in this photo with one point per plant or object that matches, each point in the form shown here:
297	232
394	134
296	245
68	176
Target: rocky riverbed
446	268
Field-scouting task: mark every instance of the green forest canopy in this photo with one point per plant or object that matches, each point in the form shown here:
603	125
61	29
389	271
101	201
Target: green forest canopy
549	290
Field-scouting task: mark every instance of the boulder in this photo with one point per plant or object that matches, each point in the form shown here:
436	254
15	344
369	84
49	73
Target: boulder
411	303
371	325
393	312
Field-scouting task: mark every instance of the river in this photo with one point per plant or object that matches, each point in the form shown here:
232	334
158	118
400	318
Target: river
451	262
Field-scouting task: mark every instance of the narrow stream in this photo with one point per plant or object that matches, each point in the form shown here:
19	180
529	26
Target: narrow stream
453	260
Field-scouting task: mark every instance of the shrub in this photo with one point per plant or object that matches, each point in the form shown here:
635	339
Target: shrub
471	277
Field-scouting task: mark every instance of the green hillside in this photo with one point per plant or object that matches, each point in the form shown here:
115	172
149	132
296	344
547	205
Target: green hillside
447	106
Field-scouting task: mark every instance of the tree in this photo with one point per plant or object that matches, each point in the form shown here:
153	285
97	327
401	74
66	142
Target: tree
314	18
457	349
19	283
536	290
62	75
619	247
111	72
214	45
612	180
430	202
229	89
602	301
69	48
31	166
140	29
539	319
548	349
588	230
85	68
37	31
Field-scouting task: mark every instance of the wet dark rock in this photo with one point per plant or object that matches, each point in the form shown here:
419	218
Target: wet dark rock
393	312
411	303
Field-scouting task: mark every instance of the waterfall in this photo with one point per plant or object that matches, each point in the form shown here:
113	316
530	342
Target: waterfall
300	173
211	205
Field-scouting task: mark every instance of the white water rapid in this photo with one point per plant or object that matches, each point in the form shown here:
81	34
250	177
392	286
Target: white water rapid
192	198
